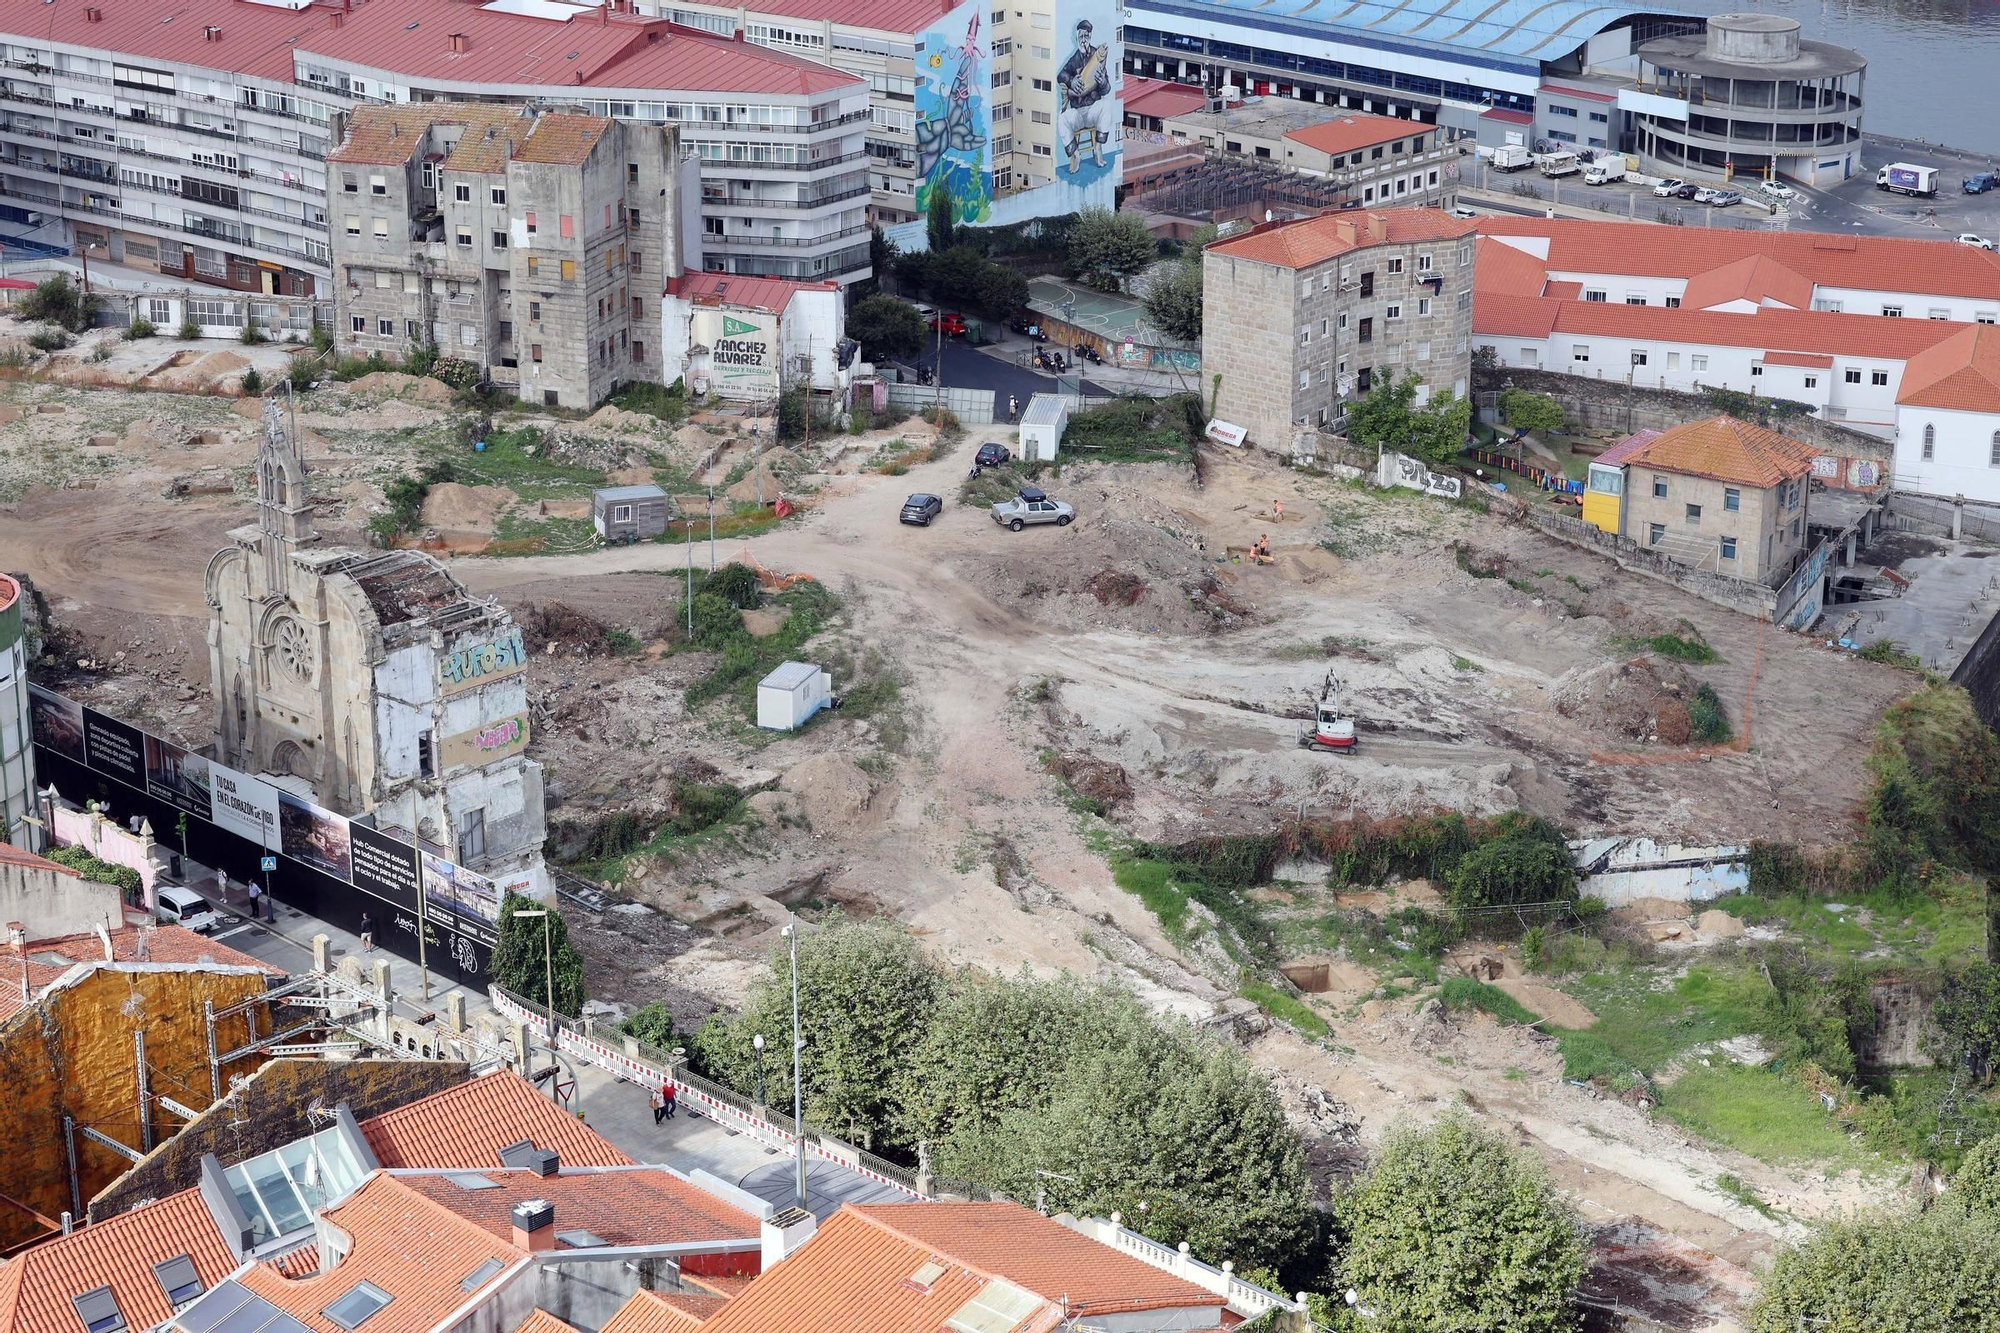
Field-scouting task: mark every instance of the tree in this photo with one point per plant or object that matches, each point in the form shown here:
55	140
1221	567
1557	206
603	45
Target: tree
1936	1272
887	327
1387	416
1526	860
1452	1229
523	955
654	1025
940	220
1002	291
1535	413
1105	247
955	274
57	301
1966	1019
1173	302
1437	430
1975	1188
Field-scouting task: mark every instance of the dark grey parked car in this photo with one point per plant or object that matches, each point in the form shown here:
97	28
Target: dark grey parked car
921	509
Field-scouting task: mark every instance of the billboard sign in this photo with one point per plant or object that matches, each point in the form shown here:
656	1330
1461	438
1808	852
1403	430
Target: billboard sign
742	346
114	748
57	723
243	805
177	776
384	866
314	835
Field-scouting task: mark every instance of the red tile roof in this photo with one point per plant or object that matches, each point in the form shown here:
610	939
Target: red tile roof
1507	117
1753	278
1961	374
1622	451
250	39
413	1249
1303	242
1866	263
15	856
1502	268
1564	291
1039	1255
163	944
1809	360
642	1205
1588	94
771	294
664	1312
1768	330
463	1128
596	49
1727	450
37	1284
1504	316
899	16
1352	132
1160	98
541	1321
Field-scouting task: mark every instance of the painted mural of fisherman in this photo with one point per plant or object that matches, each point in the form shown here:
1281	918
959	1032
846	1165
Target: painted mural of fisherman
1087	104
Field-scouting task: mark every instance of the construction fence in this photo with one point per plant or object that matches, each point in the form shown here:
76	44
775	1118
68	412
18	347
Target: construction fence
972	407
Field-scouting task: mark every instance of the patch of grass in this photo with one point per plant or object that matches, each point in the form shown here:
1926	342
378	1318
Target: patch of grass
1286	1008
809	607
1944	926
1734	1187
1767	1115
1710	723
668	402
1464	664
1465	993
1646	1022
1137	429
995	484
1524	585
1890	653
1152	883
519	459
1689	647
1576	583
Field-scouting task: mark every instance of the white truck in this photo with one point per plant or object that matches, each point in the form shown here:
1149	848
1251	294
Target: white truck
1604	171
1512	157
1560	164
1908	178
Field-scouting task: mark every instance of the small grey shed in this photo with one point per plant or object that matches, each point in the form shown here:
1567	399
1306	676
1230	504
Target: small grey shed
629	513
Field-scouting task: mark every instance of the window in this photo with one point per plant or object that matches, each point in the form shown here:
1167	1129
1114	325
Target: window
357	323
352	1310
1580	352
1365	330
1394	311
1396	264
638	351
1939	312
381	229
353	225
1728	548
386	327
633	261
462	192
638	307
498	195
499	240
1850	376
1812	381
378	185
1673	360
178	1280
1673	303
1756	370
1986	317
409	284
534	266
1694	515
1930	442
1305	379
531	224
99	1311
1635	298
1423	305
1655	533
1368	283
1878	378
1305	336
471	842
1423	351
1993	452
1595	296
1892	312
1659	488
465	237
1698	363
566	226
1639	358
1732	499
607	215
569	270
1569	111
347	183
535	353
410	329
535	310
1423	263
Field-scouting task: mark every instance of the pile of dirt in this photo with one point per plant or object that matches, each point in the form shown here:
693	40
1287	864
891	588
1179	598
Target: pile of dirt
1113	585
1643	699
764	480
553	627
1716	924
395	384
832	791
1107	554
618	419
452	506
1097	780
206	371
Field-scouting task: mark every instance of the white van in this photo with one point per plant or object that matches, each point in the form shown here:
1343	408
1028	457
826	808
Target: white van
184	907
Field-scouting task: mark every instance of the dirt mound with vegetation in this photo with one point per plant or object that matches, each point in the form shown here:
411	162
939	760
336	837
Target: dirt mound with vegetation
1099	781
1643	698
832	791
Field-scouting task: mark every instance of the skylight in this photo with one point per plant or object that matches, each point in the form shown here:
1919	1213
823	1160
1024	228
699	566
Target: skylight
178	1280
928	1274
99	1311
472	1180
580	1239
231	1309
480	1276
280	1189
999	1307
353	1310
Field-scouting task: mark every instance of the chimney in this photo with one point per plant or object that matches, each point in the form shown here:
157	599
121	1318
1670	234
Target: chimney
17	937
92	14
1378	227
459	41
545	1162
604	16
211	33
1344	228
785	1232
534	1225
339	18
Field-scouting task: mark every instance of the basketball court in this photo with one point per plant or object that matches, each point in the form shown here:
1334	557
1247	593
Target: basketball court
1106	314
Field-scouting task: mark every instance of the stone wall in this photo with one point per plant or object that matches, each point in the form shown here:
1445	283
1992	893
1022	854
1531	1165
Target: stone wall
269	1111
1852	459
1751	599
1901	1010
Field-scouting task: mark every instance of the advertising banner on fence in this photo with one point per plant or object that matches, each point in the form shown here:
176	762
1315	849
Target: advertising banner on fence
314	835
177	776
56	722
114	748
470	902
243	805
383	866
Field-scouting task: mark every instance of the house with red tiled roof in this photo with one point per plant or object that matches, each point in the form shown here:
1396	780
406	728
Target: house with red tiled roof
1948	418
1150	103
1719	494
1301	315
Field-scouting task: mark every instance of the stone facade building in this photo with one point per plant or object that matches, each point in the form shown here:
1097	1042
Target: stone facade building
1301	316
530	244
1721	495
376	679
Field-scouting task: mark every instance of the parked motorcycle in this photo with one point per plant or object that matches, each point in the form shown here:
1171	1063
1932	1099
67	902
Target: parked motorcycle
1088	353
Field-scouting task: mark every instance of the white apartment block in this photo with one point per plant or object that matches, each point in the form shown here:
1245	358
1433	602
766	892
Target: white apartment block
193	141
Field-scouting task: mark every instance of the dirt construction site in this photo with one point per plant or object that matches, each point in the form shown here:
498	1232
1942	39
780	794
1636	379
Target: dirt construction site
1038	698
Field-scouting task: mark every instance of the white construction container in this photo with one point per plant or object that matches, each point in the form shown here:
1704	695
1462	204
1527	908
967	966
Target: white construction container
1042	427
791	694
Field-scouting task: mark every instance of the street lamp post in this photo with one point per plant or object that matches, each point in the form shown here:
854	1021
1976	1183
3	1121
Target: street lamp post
548	965
798	1045
758	1042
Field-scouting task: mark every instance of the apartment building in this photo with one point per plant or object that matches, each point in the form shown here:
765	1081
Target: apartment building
992	90
1379	159
193	141
532	244
1302	315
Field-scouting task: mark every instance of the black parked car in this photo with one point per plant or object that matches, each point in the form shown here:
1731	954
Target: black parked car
991	455
921	509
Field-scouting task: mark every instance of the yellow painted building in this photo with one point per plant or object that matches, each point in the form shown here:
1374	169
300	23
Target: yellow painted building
1604	492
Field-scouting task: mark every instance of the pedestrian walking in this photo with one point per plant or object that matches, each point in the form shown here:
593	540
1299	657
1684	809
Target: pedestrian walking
367	933
256	892
673	1095
659	1105
1013	408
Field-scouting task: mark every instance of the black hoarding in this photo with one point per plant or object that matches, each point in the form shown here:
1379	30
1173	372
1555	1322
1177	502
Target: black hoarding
114	749
384	867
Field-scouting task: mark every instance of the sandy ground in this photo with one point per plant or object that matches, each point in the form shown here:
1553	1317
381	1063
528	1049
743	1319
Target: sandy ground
1129	639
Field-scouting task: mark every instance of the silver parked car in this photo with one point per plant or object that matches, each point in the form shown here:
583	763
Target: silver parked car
1032	505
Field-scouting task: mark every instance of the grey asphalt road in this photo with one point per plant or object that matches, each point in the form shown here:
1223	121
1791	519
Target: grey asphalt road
968	368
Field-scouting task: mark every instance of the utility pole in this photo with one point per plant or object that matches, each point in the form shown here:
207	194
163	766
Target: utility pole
798	1045
690	577
711	527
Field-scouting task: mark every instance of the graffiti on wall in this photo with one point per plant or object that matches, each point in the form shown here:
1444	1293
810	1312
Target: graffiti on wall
954	130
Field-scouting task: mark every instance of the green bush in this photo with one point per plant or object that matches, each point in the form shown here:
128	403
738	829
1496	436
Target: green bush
189	330
87	864
322	339
139	328
735	583
456	371
1525	862
251	335
49	338
1466	993
715	621
57	301
1710	724
654	1025
253	382
702	805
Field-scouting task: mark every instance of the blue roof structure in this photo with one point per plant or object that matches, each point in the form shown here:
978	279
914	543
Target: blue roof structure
1507	34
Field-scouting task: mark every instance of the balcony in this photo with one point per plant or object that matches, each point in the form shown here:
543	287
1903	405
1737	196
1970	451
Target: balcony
738	239
757	204
730	166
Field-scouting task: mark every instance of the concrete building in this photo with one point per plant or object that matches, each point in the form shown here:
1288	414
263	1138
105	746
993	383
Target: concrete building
1749	96
17	755
1523	71
374	681
1720	495
1948	419
746	338
1303	315
197	146
527	243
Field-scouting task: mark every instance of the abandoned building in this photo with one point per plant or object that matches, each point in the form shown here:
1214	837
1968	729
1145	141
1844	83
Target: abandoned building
530	244
373	683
